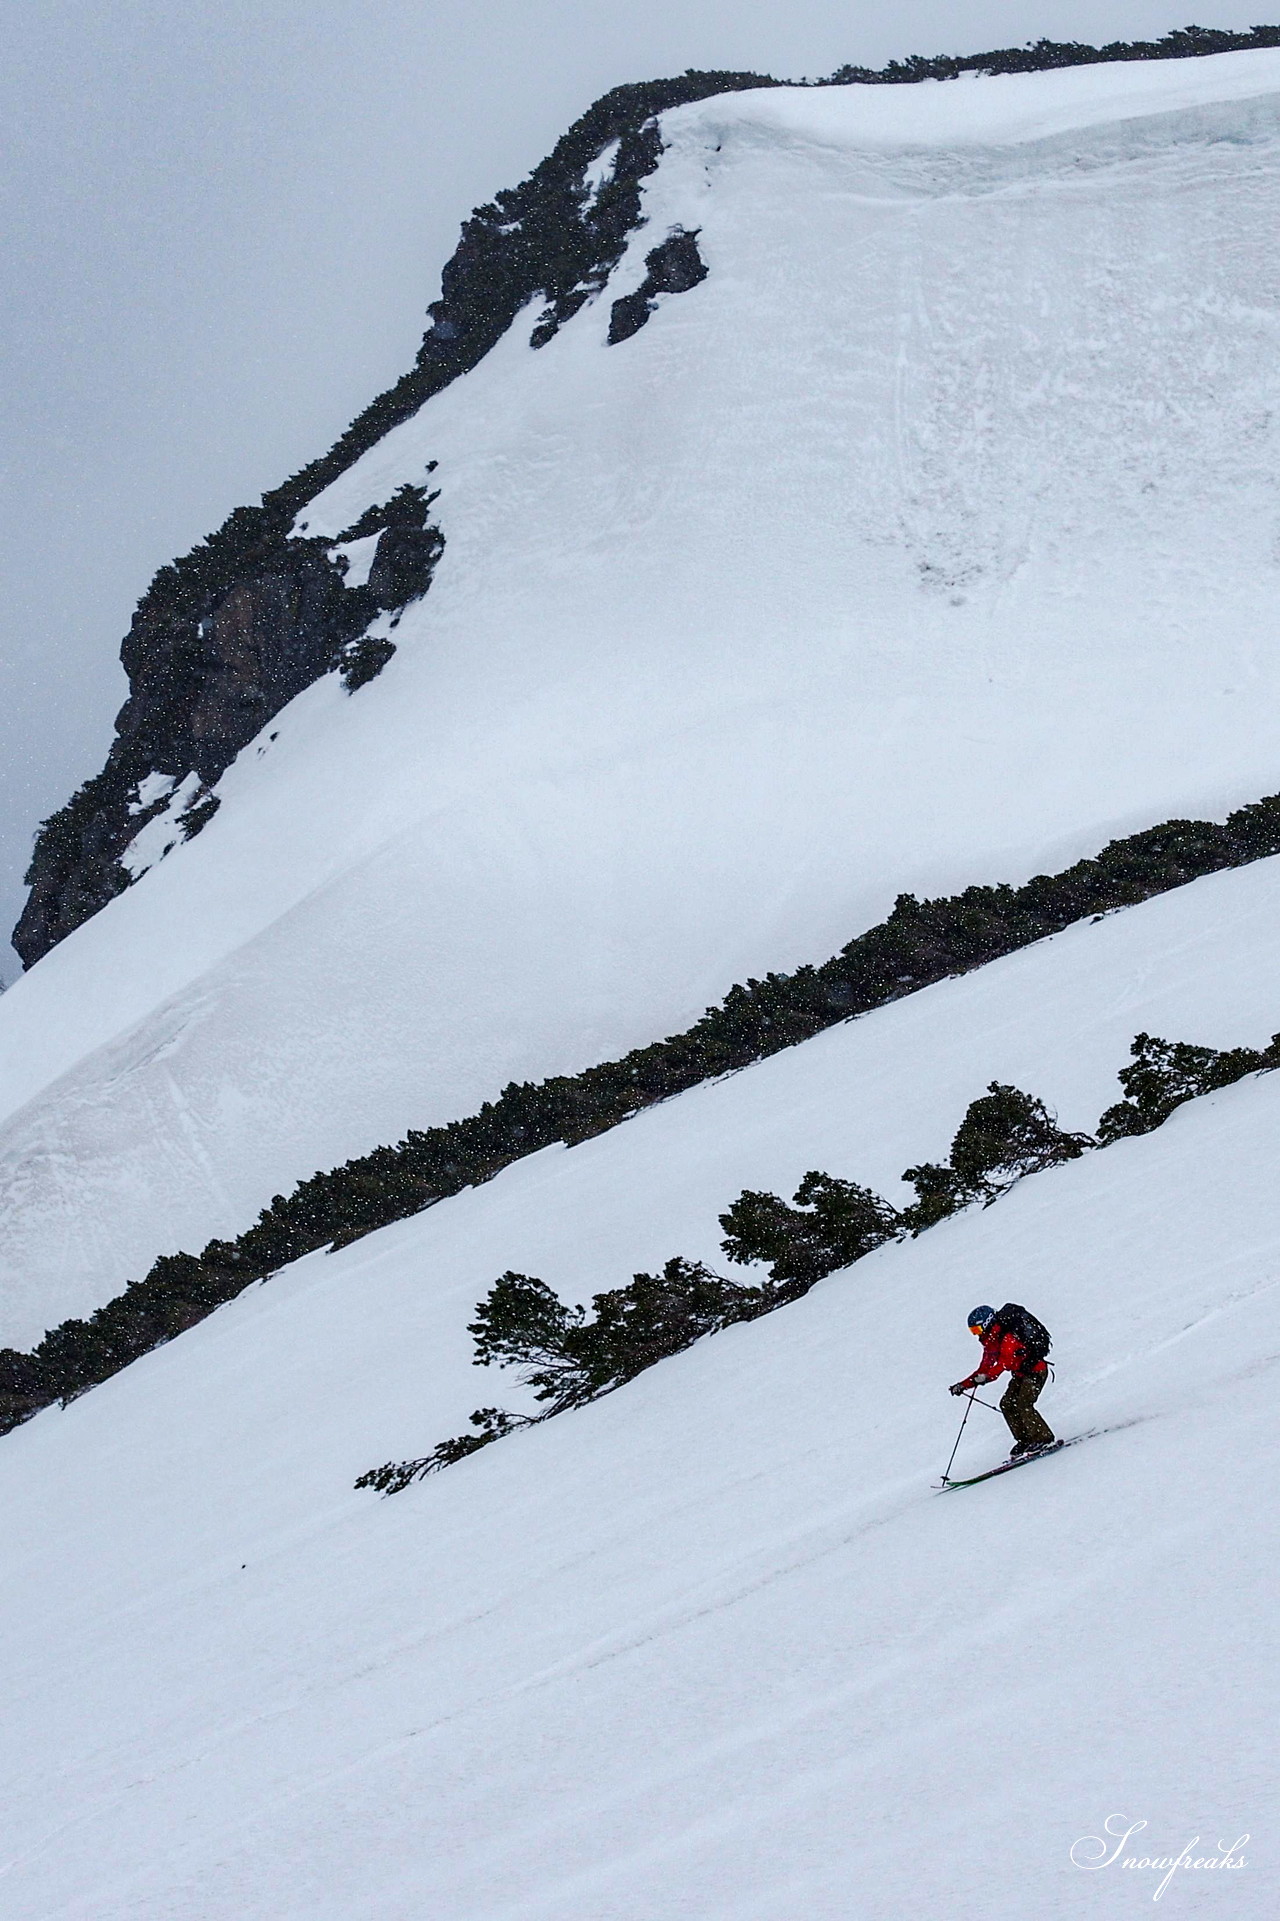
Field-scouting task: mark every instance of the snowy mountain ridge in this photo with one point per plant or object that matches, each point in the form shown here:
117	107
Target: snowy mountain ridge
925	542
558	235
930	539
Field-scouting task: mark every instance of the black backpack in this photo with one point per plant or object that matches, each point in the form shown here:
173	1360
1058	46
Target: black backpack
1033	1334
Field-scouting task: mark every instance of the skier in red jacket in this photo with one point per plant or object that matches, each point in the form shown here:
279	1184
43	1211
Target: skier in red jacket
1003	1352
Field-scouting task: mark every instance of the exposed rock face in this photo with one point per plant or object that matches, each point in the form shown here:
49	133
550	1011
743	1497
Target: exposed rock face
76	866
220	643
201	688
227	635
673	267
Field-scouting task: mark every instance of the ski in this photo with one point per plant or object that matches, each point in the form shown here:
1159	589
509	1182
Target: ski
1007	1467
1074	1440
1090	1434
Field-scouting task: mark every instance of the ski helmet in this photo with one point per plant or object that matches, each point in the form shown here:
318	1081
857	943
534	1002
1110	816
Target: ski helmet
982	1317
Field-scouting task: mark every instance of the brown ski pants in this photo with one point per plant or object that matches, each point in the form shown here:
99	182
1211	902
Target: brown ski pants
1018	1405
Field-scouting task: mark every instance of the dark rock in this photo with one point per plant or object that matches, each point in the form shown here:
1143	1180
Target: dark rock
364	660
221	642
198	815
203	685
403	562
676	265
673	267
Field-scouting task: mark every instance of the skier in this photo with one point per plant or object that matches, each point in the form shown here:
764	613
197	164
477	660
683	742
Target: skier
1013	1342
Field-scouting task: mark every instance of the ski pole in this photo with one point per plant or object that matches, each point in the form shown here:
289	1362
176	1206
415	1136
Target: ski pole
947	1469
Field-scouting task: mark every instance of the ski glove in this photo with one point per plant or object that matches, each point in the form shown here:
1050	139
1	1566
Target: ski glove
961	1387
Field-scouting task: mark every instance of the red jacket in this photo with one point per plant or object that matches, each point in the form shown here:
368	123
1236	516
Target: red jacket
1002	1354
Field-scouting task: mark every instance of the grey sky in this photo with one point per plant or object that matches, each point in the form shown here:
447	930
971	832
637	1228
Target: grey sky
222	222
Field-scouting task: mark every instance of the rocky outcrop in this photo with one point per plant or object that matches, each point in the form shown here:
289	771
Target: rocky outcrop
201	687
220	643
673	267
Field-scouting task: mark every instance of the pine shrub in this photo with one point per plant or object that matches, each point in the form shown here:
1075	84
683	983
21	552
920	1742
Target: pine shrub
1004	1135
568	1359
658	1315
491	1423
1164	1074
523	1323
832	1224
939	1191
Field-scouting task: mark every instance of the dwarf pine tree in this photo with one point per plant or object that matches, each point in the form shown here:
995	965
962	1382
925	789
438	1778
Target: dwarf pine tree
657	1315
491	1424
832	1224
568	1360
939	1192
1164	1074
523	1323
1004	1135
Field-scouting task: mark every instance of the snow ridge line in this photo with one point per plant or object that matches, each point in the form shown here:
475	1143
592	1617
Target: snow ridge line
547	237
920	943
558	235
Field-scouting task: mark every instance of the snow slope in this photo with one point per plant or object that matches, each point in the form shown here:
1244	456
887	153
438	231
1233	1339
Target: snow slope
711	1647
931	539
874	1095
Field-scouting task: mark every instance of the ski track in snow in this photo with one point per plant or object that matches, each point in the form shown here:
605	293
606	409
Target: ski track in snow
931	539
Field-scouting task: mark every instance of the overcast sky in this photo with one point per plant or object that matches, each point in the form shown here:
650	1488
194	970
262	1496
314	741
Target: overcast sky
222	222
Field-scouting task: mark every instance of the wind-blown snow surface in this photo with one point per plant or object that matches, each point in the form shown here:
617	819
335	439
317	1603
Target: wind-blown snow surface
711	1647
931	539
